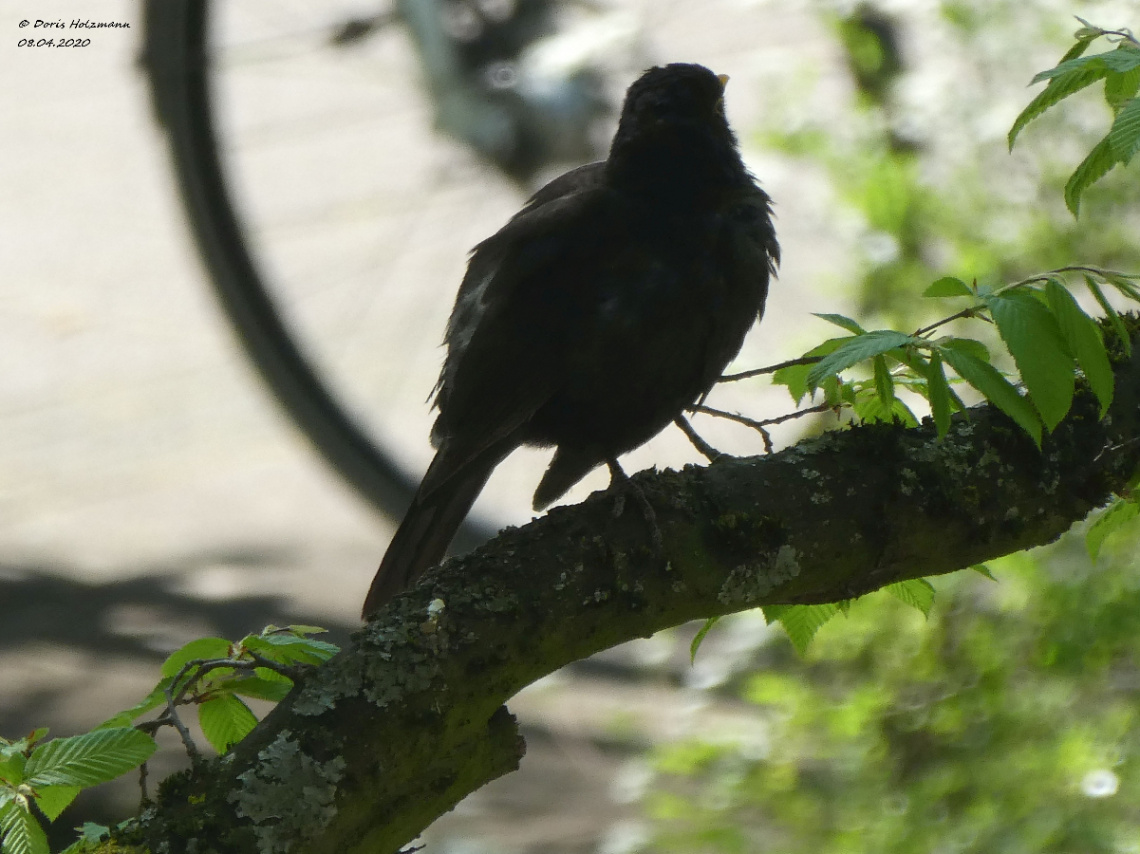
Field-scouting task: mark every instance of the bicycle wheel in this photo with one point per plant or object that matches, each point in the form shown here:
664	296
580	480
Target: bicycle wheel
334	220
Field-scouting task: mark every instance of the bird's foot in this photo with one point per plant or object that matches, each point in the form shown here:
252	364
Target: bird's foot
625	486
707	450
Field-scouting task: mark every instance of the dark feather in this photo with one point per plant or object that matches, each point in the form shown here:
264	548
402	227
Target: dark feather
614	299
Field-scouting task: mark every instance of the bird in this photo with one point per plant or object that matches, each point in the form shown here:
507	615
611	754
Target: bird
611	302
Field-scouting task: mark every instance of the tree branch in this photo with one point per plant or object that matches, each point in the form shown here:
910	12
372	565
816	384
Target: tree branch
396	730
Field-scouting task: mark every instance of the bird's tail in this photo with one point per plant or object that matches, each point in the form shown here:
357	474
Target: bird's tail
438	509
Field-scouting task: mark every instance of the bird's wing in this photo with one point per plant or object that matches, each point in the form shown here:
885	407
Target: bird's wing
509	328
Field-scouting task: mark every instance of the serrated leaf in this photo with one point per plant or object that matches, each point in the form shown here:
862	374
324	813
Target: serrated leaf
206	649
700	637
795	377
302	629
966	345
855	350
225	720
948	286
52	800
288	649
843	322
1095	166
884	385
20	832
153	700
1123	284
1068	77
1124	135
1084	340
1125	58
1118	514
996	389
1085	36
871	408
1034	339
916	592
261	689
1121	87
12	767
939	391
88	759
1113	318
801	622
982	569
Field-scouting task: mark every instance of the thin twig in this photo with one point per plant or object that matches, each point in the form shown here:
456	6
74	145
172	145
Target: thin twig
761	426
144	801
170	716
771	369
710	453
966	312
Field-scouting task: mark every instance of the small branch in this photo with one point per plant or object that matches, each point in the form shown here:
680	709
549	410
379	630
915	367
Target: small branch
771	369
966	312
708	451
144	797
170	716
760	426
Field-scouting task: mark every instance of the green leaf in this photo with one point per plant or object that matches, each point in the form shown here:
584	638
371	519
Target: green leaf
982	569
1085	36
948	286
843	322
1121	87
795	377
1118	514
995	388
700	637
1083	337
289	649
801	622
871	408
916	592
12	764
1090	170
1068	77
206	649
1125	58
88	759
1034	339
153	700
1124	284
1113	318
966	345
302	629
267	685
225	720
52	800
20	832
1124	135
884	385
939	394
855	350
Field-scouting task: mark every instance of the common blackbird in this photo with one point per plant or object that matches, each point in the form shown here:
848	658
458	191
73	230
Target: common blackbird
612	301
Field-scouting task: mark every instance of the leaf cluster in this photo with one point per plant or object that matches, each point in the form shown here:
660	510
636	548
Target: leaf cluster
210	673
1119	68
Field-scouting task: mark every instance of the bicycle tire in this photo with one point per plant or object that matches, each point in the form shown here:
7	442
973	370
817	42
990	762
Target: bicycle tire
177	62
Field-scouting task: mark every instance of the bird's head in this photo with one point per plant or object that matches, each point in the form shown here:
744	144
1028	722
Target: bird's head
673	129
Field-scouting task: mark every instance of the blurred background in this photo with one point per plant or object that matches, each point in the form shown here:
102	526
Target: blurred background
154	489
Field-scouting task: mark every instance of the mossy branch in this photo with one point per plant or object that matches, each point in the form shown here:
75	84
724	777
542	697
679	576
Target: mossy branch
397	729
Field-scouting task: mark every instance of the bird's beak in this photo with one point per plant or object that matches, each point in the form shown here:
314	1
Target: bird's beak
723	78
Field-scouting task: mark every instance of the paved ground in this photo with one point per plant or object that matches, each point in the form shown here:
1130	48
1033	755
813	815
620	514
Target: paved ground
141	461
